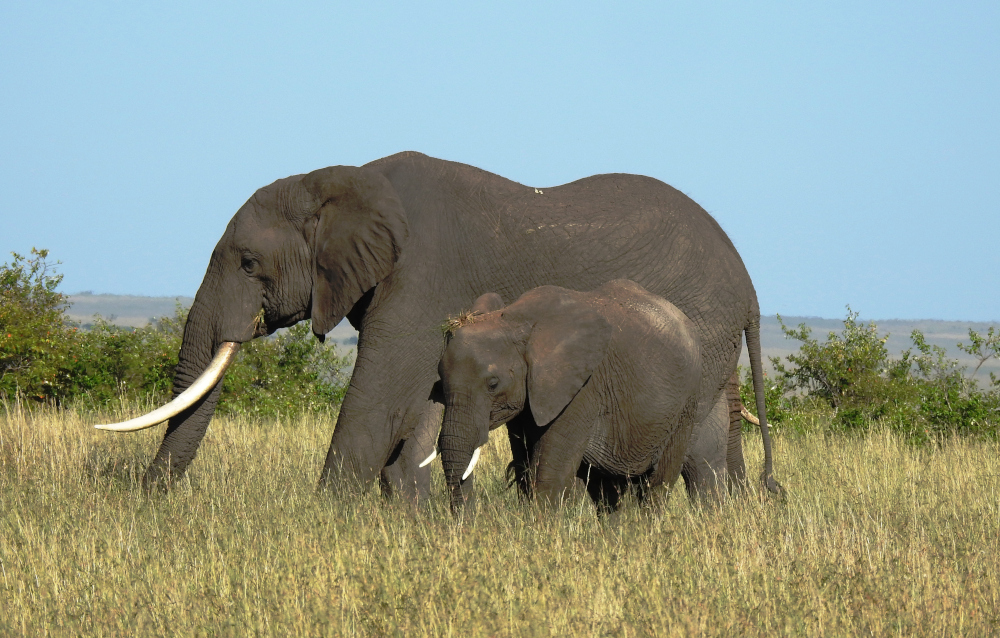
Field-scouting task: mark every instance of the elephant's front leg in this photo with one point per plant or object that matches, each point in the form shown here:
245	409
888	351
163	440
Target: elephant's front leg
522	433
558	454
403	475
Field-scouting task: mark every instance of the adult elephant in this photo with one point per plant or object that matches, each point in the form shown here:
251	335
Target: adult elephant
400	244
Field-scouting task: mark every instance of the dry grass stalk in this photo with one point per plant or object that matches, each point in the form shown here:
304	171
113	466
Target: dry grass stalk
876	537
464	318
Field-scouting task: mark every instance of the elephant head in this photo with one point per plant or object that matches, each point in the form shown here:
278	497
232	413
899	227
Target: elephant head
536	353
308	246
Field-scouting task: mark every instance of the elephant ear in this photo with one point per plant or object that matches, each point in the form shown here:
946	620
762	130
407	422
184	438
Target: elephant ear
564	348
358	235
487	303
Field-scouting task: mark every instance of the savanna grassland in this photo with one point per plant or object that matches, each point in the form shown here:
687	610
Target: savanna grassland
876	537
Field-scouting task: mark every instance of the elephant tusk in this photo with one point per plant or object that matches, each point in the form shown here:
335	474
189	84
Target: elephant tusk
428	460
749	417
201	386
472	463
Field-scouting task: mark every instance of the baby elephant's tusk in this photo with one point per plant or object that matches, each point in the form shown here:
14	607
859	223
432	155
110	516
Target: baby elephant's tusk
472	463
428	460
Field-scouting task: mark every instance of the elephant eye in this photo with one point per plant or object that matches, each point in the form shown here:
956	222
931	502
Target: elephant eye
249	265
492	384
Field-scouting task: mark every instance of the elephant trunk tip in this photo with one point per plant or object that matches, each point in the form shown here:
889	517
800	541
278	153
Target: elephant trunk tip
772	485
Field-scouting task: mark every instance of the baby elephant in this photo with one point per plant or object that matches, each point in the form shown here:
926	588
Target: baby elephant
596	388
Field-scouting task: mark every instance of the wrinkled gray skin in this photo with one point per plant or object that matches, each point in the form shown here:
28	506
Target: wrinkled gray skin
714	465
401	243
598	389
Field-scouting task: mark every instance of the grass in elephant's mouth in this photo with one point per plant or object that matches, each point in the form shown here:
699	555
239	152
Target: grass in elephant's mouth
875	537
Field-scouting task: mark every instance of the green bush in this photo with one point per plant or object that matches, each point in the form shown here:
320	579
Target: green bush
35	335
288	373
921	394
110	363
950	401
984	349
45	357
852	372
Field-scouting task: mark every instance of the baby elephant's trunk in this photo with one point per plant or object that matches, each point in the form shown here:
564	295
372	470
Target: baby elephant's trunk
460	443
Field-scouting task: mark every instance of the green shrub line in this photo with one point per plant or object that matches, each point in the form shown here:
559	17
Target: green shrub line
45	358
850	379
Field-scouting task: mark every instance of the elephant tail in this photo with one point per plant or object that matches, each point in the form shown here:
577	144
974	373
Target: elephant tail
752	332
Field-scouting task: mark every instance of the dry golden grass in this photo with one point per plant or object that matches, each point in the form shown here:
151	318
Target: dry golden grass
875	538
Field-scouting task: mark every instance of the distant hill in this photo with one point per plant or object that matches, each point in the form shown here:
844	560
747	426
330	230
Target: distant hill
122	310
946	334
134	311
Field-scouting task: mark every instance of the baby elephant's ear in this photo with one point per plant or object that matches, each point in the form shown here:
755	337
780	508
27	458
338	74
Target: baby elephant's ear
488	303
563	350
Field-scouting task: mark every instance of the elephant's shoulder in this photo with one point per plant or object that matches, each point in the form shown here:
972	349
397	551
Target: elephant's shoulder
434	172
396	158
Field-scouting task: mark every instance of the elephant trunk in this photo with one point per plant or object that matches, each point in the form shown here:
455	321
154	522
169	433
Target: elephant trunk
463	432
221	317
186	429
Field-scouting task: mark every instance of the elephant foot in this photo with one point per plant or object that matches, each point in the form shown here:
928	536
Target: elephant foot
412	487
338	480
705	485
159	478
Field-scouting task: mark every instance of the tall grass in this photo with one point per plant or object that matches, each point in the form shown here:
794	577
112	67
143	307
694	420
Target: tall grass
876	536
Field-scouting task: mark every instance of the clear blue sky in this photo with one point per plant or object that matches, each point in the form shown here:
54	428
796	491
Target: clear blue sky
852	151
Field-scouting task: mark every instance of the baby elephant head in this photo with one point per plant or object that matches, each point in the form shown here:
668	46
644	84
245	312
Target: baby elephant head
536	353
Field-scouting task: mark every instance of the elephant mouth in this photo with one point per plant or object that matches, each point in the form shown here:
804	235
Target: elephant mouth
201	386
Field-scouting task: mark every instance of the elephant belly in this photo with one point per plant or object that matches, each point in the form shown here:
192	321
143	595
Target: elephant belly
624	451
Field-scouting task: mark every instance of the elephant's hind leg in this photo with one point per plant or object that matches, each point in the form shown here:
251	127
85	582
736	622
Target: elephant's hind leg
735	463
655	488
704	469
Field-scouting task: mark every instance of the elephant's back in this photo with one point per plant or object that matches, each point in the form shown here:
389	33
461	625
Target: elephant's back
473	232
556	229
618	225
